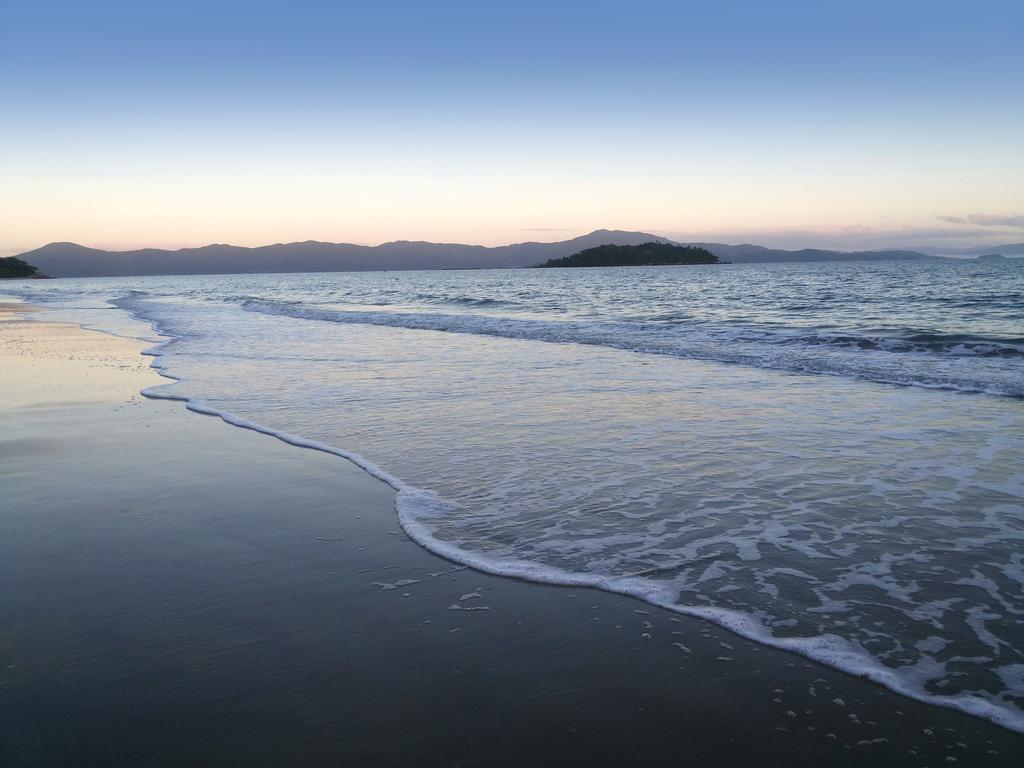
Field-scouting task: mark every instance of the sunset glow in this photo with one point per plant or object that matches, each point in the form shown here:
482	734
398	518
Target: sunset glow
499	124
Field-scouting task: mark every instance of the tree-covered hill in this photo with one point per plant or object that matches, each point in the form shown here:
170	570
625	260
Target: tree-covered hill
645	254
12	267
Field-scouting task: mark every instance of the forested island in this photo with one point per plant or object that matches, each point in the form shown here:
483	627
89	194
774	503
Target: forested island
12	267
643	255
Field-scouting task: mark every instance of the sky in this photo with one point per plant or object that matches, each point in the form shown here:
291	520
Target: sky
825	124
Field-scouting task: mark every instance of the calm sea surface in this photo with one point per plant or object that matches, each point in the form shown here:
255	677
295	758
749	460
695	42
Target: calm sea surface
827	457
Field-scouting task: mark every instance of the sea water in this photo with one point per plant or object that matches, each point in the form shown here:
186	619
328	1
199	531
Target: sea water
828	458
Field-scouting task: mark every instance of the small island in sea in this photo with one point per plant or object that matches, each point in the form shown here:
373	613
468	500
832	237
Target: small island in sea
643	255
12	267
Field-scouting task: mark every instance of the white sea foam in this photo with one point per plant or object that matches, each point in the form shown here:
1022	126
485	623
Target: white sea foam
716	345
417	508
824	539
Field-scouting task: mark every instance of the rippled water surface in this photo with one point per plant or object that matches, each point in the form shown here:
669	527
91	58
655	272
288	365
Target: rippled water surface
829	458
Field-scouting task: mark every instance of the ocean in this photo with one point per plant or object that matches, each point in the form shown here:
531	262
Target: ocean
826	458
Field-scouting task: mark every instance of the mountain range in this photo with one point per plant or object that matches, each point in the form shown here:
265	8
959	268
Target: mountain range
72	260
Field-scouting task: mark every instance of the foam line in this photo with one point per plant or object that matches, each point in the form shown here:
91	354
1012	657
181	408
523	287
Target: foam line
664	340
415	507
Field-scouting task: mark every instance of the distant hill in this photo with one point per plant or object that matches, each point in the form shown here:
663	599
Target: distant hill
1010	249
646	254
13	267
757	254
72	260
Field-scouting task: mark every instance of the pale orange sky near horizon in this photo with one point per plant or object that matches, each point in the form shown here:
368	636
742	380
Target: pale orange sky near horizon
853	125
310	184
159	196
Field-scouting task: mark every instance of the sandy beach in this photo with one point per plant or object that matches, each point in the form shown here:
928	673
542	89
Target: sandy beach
175	591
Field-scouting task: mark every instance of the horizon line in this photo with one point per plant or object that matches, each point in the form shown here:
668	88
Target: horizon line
921	248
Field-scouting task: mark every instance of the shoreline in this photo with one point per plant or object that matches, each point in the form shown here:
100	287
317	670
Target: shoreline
356	622
412	504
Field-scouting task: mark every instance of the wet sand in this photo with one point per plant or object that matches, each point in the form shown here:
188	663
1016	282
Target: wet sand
176	591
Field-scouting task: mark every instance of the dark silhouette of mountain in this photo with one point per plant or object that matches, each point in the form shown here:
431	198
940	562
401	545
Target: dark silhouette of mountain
755	254
645	255
12	267
72	260
1010	249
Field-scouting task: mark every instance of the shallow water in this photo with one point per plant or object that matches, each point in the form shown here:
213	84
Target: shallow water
687	440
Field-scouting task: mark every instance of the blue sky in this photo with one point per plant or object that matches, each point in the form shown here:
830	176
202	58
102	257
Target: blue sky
825	123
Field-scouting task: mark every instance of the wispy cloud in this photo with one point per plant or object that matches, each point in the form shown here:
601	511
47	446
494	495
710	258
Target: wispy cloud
987	220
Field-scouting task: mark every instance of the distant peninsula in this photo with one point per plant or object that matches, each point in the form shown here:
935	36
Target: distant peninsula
642	255
71	260
11	267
